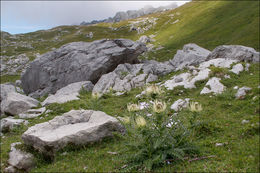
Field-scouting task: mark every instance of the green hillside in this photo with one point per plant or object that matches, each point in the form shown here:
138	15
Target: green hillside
206	23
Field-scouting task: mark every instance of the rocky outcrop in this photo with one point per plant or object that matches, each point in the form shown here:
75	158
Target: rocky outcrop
191	54
19	160
77	127
236	52
16	103
180	104
241	93
237	68
78	61
5	89
68	93
187	80
32	113
213	86
128	76
9	123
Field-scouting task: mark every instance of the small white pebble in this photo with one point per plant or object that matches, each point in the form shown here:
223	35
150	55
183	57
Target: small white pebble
149	115
219	144
245	121
235	87
255	97
251	74
227	76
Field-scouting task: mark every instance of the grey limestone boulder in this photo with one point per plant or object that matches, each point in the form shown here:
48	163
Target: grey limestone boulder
179	104
241	93
236	52
5	89
237	68
16	103
78	61
191	54
128	76
20	160
9	123
68	93
77	127
213	86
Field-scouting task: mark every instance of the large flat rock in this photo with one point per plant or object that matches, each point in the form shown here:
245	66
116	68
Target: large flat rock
78	127
78	61
68	93
16	103
235	52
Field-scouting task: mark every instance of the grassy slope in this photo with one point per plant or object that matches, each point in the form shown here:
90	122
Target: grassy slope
221	123
208	24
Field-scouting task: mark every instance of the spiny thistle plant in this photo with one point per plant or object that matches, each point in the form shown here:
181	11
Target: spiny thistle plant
159	106
140	121
152	90
195	107
95	103
151	142
96	95
133	107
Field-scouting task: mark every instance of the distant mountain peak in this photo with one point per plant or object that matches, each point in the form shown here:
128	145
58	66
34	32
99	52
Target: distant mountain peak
132	14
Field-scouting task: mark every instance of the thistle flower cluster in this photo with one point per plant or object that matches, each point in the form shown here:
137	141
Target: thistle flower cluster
195	107
133	107
140	121
153	89
159	106
96	95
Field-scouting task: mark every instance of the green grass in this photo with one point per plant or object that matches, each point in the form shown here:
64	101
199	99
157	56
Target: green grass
9	78
219	122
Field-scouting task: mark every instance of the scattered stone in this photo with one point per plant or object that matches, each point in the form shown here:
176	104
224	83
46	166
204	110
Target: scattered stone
179	104
237	69
245	121
9	123
247	67
19	159
191	54
188	81
10	169
144	39
32	113
236	52
241	93
235	87
16	103
5	89
143	105
77	127
219	62
113	153
213	85
78	61
226	76
68	93
219	144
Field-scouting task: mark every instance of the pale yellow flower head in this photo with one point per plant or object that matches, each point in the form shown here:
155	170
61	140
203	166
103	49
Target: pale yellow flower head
96	95
153	89
133	107
159	106
126	120
195	107
140	121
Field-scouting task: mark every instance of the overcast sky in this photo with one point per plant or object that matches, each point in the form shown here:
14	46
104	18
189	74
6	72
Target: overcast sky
28	16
